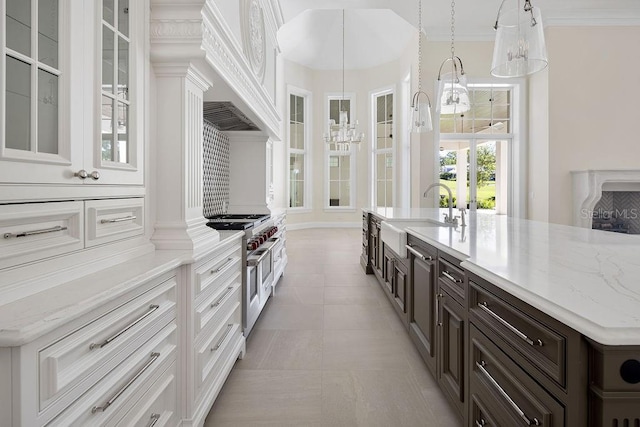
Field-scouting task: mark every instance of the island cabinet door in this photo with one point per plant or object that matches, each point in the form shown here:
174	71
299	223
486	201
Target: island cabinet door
422	310
388	268
451	324
400	285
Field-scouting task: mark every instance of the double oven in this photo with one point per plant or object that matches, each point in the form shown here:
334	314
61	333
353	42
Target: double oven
262	248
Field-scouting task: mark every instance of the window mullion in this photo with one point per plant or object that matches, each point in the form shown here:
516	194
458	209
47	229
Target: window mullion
34	76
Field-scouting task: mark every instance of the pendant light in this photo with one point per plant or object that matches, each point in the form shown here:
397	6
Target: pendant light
453	94
420	109
520	48
343	134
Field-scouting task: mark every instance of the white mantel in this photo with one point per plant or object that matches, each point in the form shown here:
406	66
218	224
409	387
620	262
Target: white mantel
588	186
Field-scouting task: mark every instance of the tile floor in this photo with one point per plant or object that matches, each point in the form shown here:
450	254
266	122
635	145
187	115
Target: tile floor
329	350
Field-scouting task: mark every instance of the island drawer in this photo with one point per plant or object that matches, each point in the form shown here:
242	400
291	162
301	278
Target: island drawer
480	415
451	278
523	328
513	396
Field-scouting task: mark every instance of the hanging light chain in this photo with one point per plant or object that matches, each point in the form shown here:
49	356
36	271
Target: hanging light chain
453	27
342	99
419	45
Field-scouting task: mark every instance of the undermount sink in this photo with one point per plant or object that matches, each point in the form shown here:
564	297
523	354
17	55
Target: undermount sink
394	235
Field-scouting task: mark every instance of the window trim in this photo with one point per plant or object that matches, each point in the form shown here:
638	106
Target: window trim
351	97
307	152
373	151
517	162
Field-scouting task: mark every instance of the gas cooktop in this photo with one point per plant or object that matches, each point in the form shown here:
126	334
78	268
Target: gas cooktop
236	221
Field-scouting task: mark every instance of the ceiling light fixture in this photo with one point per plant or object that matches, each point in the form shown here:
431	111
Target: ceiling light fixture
343	134
420	110
520	48
453	94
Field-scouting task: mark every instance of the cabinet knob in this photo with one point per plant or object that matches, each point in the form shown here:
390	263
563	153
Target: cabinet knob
83	174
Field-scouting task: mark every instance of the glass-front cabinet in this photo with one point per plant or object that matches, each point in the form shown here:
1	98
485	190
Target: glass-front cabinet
72	107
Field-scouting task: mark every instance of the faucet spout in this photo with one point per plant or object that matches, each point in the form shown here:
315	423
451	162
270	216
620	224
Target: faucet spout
447	218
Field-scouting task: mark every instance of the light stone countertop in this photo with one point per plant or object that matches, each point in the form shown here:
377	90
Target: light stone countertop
26	319
587	279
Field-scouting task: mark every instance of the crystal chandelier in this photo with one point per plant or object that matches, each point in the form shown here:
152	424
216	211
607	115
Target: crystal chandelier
520	48
343	133
420	109
453	94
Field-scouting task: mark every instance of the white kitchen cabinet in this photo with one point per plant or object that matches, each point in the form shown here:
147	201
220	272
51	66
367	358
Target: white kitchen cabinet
73	98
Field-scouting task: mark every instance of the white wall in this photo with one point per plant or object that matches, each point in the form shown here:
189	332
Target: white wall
594	89
538	194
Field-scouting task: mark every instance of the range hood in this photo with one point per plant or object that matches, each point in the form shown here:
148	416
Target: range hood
227	117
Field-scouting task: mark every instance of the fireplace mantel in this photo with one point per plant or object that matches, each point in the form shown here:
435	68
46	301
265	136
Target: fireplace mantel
588	186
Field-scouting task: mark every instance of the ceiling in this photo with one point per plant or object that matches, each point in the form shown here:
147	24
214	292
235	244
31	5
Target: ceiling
378	31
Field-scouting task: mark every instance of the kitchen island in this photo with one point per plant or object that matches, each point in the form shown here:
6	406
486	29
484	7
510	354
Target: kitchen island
520	321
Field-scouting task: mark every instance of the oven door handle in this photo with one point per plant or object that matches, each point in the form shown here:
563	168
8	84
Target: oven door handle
255	262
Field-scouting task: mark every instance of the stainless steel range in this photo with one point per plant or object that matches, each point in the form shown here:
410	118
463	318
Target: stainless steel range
260	241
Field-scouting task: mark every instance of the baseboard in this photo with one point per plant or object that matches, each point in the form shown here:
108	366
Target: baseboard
307	225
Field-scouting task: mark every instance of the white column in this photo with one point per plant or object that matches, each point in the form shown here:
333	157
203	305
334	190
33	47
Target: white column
180	223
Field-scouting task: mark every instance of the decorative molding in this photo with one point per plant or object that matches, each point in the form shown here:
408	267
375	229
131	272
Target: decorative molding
254	38
176	29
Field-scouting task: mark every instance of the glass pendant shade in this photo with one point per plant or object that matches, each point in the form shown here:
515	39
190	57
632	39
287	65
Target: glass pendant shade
519	48
421	114
453	94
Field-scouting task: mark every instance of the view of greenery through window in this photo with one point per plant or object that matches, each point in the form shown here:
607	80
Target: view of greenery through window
486	175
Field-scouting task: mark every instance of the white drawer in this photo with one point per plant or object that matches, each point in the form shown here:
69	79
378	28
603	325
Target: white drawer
218	306
70	366
214	352
118	392
113	219
158	407
33	231
223	263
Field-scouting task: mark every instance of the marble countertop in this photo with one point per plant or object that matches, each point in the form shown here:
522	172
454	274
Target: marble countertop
587	279
26	319
409	214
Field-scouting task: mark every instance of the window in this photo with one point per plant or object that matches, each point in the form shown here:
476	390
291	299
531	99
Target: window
340	165
31	78
299	149
383	150
476	148
116	101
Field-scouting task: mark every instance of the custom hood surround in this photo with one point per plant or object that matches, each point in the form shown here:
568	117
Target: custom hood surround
197	55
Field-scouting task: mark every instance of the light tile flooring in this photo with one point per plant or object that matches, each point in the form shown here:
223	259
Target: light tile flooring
329	350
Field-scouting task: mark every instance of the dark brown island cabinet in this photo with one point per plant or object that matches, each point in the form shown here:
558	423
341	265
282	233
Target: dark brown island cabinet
498	360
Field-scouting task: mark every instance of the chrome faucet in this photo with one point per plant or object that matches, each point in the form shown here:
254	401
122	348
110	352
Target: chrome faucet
448	219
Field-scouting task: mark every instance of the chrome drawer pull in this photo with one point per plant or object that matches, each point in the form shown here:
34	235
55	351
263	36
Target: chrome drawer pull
524	337
481	423
224	337
111	221
154	419
418	254
450	277
34	232
154	357
222	267
504	394
152	308
217	303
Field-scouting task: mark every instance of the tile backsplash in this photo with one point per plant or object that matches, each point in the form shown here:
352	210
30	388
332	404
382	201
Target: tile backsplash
215	170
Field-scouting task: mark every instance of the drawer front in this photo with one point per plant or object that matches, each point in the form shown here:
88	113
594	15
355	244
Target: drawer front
34	231
213	353
158	407
215	309
119	391
451	278
540	345
480	415
506	387
223	263
70	366
114	219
